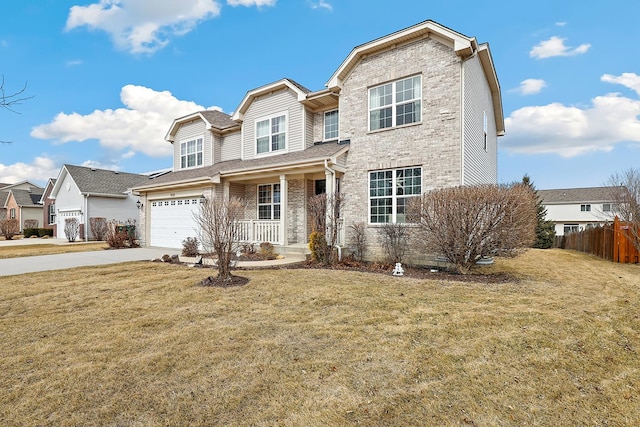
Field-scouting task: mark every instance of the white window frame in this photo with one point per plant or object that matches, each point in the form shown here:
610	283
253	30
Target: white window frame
198	154
52	213
395	192
585	207
609	207
270	134
328	128
570	228
274	205
12	213
392	102
485	129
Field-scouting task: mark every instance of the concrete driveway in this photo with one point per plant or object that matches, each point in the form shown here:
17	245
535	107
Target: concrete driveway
32	264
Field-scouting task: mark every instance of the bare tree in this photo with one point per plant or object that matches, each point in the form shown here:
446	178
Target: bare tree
325	220
9	100
9	228
625	193
393	239
219	231
465	224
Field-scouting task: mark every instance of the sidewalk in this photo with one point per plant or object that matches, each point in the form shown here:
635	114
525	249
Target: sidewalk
33	264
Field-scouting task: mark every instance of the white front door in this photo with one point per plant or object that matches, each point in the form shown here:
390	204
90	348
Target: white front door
172	221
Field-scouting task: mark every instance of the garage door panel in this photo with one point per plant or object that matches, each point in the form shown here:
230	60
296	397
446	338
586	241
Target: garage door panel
172	221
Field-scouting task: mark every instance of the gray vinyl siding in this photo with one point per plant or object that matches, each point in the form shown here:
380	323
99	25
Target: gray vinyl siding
237	190
280	101
188	131
217	148
231	147
309	129
479	165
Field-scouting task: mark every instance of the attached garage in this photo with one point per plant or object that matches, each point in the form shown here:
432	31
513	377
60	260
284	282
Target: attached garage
172	221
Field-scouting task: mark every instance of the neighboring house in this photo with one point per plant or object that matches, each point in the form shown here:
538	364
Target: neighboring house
9	207
83	193
415	110
24	205
49	207
574	209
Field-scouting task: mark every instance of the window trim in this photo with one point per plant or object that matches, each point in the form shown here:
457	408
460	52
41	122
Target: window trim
324	125
52	214
585	207
394	104
270	117
185	143
12	213
394	196
272	203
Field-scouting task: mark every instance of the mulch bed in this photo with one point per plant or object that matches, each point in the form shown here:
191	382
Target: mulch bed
217	282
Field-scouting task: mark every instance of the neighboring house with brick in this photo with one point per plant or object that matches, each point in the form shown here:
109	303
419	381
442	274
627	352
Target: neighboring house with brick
84	193
24	205
574	209
10	207
412	111
49	207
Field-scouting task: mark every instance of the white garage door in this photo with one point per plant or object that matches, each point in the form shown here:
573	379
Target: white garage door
172	222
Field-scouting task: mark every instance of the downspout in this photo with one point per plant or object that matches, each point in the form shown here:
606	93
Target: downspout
86	217
327	169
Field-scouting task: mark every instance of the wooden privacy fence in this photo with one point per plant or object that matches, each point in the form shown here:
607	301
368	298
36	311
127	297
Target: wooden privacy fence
609	242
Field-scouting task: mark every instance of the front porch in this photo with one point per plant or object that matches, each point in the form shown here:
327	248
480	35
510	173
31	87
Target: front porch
270	231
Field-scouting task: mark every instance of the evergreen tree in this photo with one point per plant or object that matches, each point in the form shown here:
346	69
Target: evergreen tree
545	230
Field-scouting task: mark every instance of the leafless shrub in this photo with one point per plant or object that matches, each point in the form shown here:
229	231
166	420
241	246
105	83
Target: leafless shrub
393	239
359	239
9	228
30	223
121	235
98	227
71	229
625	192
219	231
190	246
325	220
467	223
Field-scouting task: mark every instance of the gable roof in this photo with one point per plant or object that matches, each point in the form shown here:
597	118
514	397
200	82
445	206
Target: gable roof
314	155
463	46
99	182
577	195
214	120
4	197
25	198
300	91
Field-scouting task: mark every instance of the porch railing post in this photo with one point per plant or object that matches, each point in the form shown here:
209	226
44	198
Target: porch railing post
284	196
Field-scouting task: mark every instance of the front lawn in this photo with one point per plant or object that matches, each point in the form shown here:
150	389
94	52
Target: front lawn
18	251
141	344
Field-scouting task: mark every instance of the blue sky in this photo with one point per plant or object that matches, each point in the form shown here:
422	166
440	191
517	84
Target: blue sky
108	76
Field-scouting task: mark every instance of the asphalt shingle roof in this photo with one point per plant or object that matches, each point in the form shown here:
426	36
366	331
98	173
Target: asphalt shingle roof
102	181
577	195
28	198
319	151
218	119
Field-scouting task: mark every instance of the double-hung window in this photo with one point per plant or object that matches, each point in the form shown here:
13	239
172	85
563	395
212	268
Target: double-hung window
269	201
396	103
585	208
12	213
191	153
52	213
271	134
389	191
331	125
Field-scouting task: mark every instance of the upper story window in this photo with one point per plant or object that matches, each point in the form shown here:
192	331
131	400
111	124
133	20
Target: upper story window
585	208
331	125
395	104
191	153
389	191
609	207
271	134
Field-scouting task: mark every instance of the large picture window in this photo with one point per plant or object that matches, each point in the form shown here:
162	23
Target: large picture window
395	104
269	201
389	191
191	153
271	134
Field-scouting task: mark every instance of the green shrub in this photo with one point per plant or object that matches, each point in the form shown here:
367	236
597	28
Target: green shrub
28	232
317	246
190	247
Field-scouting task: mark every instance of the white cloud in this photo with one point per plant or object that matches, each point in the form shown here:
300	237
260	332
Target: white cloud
73	62
560	24
630	80
141	26
99	165
249	3
321	5
555	47
530	87
570	131
139	127
40	170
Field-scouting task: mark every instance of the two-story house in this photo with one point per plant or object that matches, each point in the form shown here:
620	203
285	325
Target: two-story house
574	209
415	110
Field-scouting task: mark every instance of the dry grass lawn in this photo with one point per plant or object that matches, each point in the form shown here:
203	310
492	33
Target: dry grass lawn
18	251
140	345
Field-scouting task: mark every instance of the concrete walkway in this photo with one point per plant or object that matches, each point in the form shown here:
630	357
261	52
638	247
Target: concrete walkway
33	264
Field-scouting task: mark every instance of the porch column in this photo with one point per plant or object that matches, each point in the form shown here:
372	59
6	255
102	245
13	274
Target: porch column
329	176
284	197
